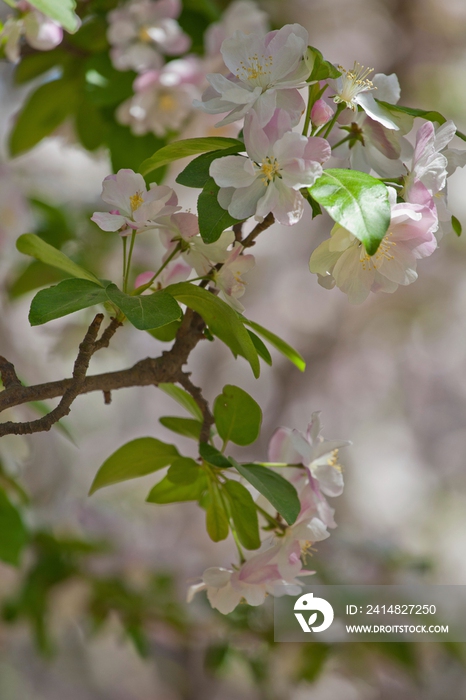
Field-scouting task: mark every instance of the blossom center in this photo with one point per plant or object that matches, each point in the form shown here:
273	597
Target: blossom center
270	169
332	461
256	70
167	102
383	253
136	200
354	81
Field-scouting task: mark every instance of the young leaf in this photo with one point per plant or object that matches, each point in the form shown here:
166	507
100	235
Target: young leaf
30	244
189	427
185	148
356	201
14	536
456	225
137	458
62	11
196	173
213	456
168	492
221	319
427	114
183	399
35	64
216	519
145	311
45	109
244	514
277	490
183	470
319	67
285	349
165	333
237	416
63	299
213	219
261	348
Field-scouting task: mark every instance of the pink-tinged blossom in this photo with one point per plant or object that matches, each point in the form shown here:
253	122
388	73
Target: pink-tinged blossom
321	113
433	161
176	271
39	31
229	278
163	99
135	207
318	455
241	15
265	73
258	576
343	261
142	31
182	230
377	147
353	89
279	163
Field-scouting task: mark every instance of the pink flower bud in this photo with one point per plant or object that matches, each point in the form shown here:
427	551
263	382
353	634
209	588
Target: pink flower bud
321	113
143	278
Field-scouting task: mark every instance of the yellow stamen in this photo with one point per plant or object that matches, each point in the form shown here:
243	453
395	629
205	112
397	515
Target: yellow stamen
270	169
136	200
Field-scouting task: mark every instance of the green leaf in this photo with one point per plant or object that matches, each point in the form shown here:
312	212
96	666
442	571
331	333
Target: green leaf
35	64
319	68
32	245
213	219
196	173
165	333
237	416
356	201
91	127
168	492
213	456
244	514
456	226
13	534
62	11
137	458
277	490
45	109
128	150
183	398
145	311
183	471
216	519
225	323
189	427
427	114
261	348
282	347
185	148
63	299
105	86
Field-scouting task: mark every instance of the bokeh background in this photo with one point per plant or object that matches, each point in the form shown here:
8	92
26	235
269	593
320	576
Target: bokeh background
390	375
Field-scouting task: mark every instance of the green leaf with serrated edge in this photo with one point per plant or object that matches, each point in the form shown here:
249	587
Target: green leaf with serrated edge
237	416
285	349
183	149
244	513
319	68
30	244
456	226
13	534
183	471
189	427
277	490
427	114
196	173
213	456
63	299
137	458
168	492
260	347
213	219
44	110
356	201
183	398
225	323
216	519
145	311
62	11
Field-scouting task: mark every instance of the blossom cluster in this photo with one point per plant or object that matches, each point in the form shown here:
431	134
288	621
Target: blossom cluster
277	566
39	31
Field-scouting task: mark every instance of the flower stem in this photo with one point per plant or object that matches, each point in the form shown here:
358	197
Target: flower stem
128	264
308	110
347	138
124	262
145	286
328	127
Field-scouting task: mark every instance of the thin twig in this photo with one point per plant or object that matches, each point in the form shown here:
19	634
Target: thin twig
196	393
8	374
249	240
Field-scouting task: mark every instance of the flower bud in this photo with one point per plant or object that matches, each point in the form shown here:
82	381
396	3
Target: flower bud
321	113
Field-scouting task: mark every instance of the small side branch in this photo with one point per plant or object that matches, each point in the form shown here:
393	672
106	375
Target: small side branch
196	393
8	374
249	241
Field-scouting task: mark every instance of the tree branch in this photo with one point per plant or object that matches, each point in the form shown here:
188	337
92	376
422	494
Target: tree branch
267	223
